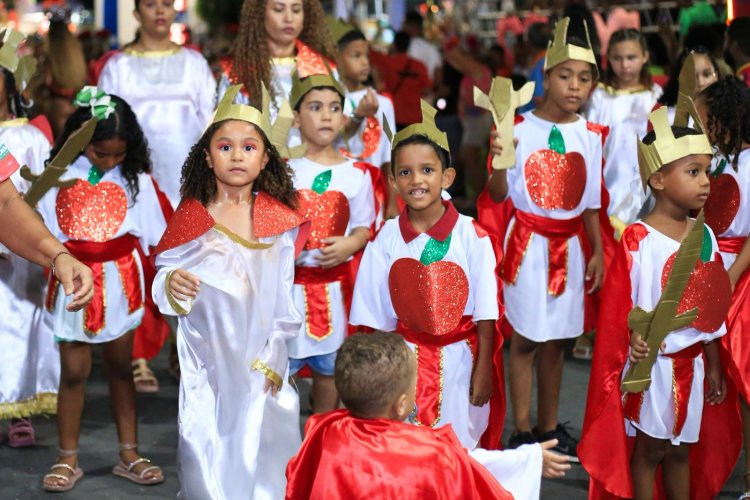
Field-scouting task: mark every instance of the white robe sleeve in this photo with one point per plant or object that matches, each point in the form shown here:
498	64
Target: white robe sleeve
483	278
371	302
167	262
152	220
362	206
593	193
207	96
287	320
519	471
107	80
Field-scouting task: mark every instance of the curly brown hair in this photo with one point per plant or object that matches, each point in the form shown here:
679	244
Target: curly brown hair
728	103
251	58
199	182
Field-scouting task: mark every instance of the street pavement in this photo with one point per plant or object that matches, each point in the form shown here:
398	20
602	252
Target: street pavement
21	470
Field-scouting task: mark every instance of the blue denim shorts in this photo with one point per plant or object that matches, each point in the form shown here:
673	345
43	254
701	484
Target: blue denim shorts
323	364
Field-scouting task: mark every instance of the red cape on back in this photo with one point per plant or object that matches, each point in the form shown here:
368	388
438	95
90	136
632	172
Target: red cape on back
605	449
344	458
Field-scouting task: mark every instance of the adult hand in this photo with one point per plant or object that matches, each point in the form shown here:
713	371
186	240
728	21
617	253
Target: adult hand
76	278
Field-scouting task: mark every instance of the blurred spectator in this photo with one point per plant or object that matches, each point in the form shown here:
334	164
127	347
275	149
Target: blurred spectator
738	47
497	61
63	72
407	82
701	12
420	49
537	39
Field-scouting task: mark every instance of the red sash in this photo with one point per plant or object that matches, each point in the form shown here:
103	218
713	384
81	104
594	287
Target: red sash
315	281
557	232
731	244
429	355
94	255
682	381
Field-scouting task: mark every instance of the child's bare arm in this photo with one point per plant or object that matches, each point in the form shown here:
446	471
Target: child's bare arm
740	264
595	266
717	385
339	248
498	184
481	379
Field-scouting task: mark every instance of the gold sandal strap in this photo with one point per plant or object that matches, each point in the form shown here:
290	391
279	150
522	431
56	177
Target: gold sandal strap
67	453
136	462
62	466
128	446
147	470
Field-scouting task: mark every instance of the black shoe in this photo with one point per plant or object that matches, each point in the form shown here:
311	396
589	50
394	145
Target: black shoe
519	438
566	444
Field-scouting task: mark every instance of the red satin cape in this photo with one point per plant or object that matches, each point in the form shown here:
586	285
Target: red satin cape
343	458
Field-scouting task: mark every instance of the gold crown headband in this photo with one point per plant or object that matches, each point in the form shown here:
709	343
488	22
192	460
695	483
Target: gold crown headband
300	87
23	68
276	133
338	28
666	148
559	50
426	128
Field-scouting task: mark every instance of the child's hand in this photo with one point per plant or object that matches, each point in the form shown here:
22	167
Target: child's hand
595	273
496	148
368	106
481	383
717	386
272	386
554	464
183	285
338	248
638	348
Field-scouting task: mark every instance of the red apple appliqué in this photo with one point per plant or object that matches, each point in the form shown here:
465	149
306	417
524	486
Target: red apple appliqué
92	213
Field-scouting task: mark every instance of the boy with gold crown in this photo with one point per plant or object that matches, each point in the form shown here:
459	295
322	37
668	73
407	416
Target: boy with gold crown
336	196
667	297
226	266
553	180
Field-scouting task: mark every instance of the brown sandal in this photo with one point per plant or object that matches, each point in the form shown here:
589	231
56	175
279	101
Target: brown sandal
126	470
144	378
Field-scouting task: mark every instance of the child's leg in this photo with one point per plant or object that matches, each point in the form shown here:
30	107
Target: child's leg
648	453
116	356
324	395
676	472
746	440
75	367
549	368
520	373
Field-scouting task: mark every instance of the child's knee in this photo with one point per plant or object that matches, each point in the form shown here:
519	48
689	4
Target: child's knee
679	454
74	375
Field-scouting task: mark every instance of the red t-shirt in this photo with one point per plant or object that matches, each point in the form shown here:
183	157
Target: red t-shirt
406	81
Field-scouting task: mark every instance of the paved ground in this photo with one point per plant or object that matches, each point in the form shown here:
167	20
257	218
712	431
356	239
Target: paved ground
22	469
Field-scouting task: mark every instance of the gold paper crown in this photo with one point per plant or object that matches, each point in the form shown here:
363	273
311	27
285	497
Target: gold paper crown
426	128
666	148
559	50
228	110
300	87
23	68
338	28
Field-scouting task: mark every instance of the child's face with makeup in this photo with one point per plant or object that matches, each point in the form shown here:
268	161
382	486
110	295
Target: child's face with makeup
236	153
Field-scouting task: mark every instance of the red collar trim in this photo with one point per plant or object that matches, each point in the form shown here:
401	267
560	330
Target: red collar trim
440	230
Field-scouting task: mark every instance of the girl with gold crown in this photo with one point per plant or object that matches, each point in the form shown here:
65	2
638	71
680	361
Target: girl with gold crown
105	209
555	186
30	364
226	265
664	305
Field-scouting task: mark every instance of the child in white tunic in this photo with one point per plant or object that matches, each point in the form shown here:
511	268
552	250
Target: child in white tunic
555	187
226	265
111	208
622	102
336	195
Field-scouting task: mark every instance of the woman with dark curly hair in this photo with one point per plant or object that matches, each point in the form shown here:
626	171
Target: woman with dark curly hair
226	270
277	37
106	210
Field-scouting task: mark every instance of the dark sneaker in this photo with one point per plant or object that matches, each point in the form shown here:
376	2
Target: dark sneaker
566	444
519	438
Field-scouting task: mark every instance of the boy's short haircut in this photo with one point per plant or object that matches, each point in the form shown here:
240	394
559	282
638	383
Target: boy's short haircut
421	139
372	370
302	98
352	36
739	31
